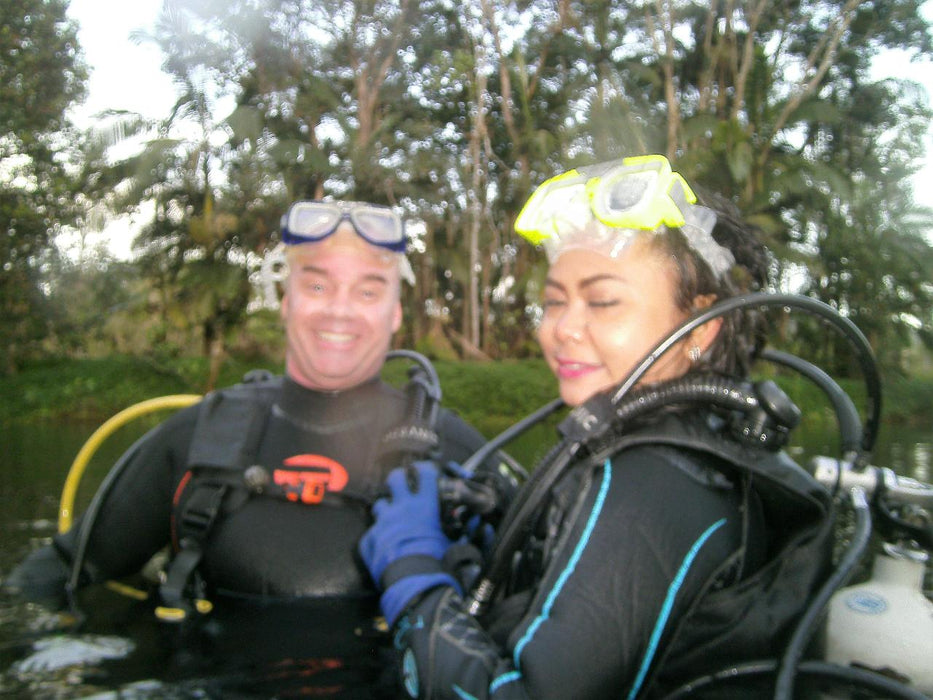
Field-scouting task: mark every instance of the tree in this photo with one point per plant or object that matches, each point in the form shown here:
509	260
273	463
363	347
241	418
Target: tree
454	111
41	75
772	105
194	252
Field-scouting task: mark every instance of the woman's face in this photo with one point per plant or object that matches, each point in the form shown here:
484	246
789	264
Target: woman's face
602	315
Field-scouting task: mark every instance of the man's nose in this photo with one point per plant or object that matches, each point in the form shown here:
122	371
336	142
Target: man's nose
341	302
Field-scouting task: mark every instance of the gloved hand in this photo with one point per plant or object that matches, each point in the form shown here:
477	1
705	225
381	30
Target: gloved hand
404	547
475	530
40	578
480	534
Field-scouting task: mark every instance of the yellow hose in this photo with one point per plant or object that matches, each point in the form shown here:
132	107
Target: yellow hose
65	509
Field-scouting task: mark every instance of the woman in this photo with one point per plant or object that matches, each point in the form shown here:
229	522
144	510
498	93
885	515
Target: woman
658	548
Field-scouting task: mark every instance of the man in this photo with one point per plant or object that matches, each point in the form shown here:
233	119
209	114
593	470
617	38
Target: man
264	489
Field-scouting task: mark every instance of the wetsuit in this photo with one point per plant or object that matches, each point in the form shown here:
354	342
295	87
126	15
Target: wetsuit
295	612
665	556
268	547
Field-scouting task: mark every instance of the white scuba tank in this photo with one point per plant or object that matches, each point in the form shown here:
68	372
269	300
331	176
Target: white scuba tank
886	623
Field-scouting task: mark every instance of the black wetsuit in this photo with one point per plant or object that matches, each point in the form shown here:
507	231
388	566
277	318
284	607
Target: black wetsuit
295	611
654	561
267	548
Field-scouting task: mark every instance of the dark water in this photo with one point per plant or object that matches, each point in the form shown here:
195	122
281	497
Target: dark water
121	651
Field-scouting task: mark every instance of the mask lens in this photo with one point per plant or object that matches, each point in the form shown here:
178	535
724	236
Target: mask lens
307	222
623	198
630	193
312	221
379	226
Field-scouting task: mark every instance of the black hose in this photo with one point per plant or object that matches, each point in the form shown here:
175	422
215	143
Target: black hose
431	396
850	426
509	434
863	679
90	516
738	672
856	338
714	389
699	388
806	626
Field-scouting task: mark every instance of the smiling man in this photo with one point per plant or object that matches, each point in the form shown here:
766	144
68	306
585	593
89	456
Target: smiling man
263	489
341	308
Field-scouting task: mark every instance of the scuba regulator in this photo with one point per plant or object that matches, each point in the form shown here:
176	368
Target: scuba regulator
757	413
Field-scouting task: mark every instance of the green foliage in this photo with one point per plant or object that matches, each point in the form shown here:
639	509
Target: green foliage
57	389
40	71
491	396
41	75
99	388
454	115
909	401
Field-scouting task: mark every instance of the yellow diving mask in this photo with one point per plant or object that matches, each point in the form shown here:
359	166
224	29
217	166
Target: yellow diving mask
604	206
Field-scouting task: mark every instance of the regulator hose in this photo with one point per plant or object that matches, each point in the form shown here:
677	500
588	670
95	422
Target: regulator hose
856	338
847	417
862	678
416	436
426	398
477	458
708	389
806	626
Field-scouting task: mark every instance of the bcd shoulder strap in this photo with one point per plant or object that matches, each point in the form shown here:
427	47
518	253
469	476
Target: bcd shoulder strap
225	443
231	422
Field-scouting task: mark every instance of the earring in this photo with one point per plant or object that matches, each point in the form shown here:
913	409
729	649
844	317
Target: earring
694	354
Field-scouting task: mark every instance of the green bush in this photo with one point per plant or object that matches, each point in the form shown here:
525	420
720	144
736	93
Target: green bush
490	395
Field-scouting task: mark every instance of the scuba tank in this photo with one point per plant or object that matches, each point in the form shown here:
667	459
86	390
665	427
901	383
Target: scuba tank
886	623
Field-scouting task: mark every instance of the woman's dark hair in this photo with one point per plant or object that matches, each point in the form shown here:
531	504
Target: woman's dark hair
743	333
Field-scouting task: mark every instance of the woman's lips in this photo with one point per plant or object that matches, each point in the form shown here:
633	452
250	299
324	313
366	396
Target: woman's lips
568	369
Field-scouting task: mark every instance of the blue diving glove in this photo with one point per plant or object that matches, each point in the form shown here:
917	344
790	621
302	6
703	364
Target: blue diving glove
404	547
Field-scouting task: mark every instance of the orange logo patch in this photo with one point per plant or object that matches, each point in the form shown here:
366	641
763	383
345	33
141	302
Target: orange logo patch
315	476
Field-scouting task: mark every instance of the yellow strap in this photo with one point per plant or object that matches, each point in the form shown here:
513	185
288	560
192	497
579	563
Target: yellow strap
125	590
170	614
66	505
167	614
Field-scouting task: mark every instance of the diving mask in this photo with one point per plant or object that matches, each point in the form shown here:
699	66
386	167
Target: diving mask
311	221
603	207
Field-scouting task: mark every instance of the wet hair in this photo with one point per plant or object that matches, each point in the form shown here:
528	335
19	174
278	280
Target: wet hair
742	334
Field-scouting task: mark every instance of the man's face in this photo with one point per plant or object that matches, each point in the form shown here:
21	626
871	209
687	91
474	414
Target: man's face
341	308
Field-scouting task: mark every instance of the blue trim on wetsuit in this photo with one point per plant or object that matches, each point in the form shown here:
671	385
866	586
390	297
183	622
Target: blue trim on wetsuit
571	565
669	605
502	680
461	693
